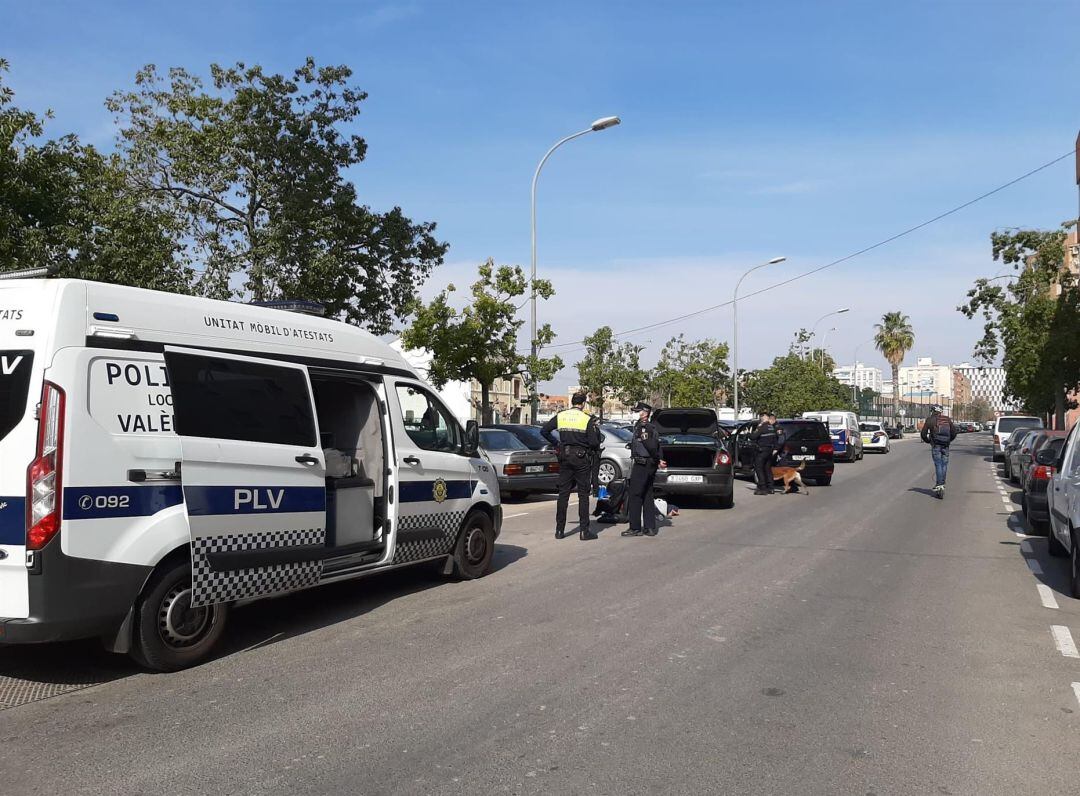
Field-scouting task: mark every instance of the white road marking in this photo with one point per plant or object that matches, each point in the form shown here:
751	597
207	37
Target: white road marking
1034	566
511	516
1025	546
1064	641
1076	690
1046	596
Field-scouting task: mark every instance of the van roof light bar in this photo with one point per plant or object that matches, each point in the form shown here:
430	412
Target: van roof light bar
293	305
29	273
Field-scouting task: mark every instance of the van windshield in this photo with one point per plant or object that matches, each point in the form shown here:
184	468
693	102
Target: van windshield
15	367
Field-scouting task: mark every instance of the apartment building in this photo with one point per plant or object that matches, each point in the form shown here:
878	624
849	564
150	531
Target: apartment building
859	375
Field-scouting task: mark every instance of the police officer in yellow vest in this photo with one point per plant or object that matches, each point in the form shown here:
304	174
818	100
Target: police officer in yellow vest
578	445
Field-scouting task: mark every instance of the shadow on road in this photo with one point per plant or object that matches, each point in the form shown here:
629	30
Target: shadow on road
49	669
923	491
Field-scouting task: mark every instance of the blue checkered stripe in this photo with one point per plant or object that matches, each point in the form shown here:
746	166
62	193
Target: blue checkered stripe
210	586
447	522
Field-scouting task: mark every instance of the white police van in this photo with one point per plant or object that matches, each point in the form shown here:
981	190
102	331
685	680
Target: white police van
164	457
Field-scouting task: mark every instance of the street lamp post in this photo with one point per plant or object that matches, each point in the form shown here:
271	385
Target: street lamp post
824	338
813	330
595	127
735	337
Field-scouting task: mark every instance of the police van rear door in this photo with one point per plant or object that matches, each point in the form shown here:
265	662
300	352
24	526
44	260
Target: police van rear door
253	474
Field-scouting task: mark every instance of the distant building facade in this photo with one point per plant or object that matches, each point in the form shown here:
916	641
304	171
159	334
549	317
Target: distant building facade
859	375
987	383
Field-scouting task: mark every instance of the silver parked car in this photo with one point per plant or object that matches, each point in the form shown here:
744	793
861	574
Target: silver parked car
614	441
615	457
519	469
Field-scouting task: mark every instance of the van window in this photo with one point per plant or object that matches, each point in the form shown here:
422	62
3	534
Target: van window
428	424
1007	425
248	401
837	421
15	367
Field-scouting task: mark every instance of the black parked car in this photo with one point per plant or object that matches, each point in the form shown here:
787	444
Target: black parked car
800	441
1009	446
894	432
698	454
1036	480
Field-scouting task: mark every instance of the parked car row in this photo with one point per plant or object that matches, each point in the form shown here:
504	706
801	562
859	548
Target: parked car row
703	454
1057	464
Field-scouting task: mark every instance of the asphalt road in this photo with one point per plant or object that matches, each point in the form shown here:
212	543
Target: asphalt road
866	638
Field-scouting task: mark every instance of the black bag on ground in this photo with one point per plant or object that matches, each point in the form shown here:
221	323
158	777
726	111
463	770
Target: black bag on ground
613	507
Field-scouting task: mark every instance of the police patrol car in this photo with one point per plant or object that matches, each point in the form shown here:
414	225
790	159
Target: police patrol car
164	457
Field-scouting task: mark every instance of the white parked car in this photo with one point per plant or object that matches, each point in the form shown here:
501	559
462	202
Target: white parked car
1063	503
874	437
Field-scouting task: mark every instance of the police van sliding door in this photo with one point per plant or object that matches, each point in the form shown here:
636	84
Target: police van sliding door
253	474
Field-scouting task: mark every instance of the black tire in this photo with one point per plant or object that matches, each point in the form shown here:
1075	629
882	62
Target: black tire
608	466
823	481
1056	548
1023	505
475	547
726	500
169	634
1074	569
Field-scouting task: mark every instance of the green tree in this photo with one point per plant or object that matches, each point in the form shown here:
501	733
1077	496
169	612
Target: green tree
1033	323
894	338
255	168
610	369
691	373
480	341
66	205
792	385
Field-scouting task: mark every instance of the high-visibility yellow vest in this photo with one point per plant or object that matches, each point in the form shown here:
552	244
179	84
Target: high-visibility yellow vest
574	420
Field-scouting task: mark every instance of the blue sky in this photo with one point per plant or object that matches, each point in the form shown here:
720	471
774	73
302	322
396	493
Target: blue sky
749	130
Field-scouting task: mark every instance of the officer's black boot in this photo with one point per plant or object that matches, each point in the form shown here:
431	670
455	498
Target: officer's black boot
559	534
586	533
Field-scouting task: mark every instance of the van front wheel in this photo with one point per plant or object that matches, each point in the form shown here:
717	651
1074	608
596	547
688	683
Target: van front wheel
169	634
475	547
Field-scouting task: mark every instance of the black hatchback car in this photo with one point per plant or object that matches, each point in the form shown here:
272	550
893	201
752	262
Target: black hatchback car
801	442
698	454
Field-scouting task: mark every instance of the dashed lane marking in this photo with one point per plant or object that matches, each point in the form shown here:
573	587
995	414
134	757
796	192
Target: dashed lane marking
1076	691
1046	596
1025	547
1063	640
1034	566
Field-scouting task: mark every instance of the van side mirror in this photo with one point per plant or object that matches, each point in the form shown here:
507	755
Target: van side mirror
1047	458
472	439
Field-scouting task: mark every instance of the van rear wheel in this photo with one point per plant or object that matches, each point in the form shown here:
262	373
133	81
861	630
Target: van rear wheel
475	547
169	633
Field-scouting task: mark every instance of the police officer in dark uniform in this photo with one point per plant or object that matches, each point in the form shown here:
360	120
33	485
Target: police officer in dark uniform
645	452
577	446
766	437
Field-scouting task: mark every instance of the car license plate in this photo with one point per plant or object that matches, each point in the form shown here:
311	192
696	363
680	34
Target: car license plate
534	468
686	479
803	457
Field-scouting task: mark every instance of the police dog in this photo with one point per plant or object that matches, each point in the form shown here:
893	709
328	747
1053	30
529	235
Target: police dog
791	475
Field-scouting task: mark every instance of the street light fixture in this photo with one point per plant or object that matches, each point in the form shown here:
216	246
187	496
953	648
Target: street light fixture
600	124
813	329
824	338
735	339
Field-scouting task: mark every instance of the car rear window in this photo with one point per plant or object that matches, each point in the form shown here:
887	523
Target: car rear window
803	431
869	427
499	440
622	433
15	367
1007	425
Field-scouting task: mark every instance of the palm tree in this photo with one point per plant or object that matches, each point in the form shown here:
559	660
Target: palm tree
894	338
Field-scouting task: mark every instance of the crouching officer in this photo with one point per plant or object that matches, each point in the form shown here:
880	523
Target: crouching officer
645	452
577	446
766	437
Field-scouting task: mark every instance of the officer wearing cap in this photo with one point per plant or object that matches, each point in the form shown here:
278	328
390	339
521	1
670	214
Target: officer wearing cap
645	452
577	446
766	437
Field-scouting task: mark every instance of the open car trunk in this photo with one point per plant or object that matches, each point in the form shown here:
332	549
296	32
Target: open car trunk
696	457
690	437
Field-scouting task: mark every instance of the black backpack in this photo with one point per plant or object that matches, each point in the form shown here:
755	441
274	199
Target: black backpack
941	433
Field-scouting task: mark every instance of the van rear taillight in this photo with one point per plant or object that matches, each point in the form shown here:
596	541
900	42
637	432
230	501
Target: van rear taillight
43	477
